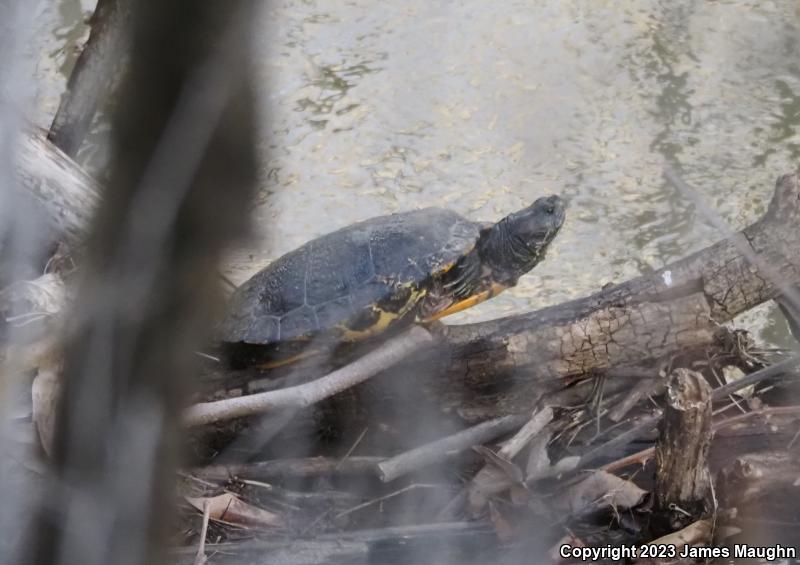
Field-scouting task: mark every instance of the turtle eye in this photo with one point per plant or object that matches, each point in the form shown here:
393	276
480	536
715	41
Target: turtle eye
550	209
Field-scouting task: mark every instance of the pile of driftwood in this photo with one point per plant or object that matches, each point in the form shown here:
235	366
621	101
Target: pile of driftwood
634	416
628	417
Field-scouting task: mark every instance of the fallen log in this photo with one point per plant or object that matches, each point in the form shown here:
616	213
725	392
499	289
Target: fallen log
96	72
443	448
52	193
55	195
291	468
67	194
398	544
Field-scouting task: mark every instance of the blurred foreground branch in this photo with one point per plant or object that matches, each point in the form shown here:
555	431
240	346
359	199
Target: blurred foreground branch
183	130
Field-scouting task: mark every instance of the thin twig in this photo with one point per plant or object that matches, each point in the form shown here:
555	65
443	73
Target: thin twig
385	497
770	411
526	433
642	427
200	558
789	365
643	455
232	285
301	396
794	439
647	424
640	457
353	447
443	448
207	356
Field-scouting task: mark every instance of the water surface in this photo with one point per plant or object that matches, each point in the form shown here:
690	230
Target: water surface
482	107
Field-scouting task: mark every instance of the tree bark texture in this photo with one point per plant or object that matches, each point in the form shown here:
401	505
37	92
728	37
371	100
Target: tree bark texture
683	482
183	128
97	69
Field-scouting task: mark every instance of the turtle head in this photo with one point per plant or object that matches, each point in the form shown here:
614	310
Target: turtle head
514	245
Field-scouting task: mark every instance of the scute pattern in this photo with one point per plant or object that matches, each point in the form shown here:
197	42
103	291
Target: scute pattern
336	278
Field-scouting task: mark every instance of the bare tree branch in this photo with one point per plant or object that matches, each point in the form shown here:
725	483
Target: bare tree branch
301	396
443	448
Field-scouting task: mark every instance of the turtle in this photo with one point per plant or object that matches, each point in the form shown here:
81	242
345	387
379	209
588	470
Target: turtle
382	274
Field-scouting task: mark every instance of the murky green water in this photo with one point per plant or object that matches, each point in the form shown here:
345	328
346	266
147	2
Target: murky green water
483	107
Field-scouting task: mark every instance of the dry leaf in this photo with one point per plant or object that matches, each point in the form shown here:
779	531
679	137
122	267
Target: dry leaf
731	374
520	494
538	458
499	474
230	509
505	531
45	392
599	490
511	470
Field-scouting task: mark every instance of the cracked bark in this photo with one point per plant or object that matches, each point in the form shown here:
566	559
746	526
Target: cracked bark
683	483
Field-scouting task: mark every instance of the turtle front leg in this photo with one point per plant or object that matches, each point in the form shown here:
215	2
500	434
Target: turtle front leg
445	309
432	306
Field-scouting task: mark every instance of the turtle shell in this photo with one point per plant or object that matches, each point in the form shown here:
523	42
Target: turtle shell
355	281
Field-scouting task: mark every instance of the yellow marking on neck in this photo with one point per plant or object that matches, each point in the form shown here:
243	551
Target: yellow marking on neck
494	290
